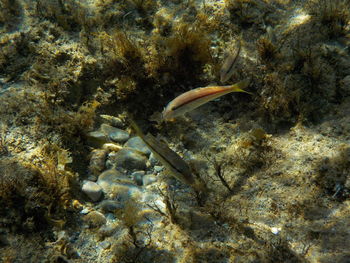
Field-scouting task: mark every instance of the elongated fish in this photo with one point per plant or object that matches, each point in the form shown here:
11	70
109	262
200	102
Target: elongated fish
227	68
194	98
170	159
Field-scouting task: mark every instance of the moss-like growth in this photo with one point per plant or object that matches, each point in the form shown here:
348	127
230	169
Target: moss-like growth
70	15
15	55
247	12
36	193
333	15
10	12
266	49
180	56
333	178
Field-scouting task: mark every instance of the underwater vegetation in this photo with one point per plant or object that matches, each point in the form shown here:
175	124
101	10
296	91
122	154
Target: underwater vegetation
332	15
41	196
9	14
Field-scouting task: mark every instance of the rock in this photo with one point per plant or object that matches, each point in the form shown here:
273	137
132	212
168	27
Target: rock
96	138
107	231
105	244
110	160
92	190
138	144
110	206
137	176
153	160
110	177
95	219
129	159
118	186
149	179
112	147
158	168
115	134
114	121
97	161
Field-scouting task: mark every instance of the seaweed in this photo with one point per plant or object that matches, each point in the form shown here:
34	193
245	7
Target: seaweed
182	55
36	193
10	14
332	178
247	13
334	16
266	49
69	15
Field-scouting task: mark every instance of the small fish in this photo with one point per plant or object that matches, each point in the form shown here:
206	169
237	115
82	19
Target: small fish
227	68
170	159
192	99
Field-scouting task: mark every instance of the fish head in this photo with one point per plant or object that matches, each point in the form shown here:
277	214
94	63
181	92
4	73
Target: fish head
168	113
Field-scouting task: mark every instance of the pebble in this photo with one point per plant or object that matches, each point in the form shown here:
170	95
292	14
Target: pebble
95	219
111	177
129	159
153	160
137	176
97	161
96	138
114	121
107	230
85	211
92	190
115	134
110	160
138	144
105	244
110	206
158	168
149	179
112	147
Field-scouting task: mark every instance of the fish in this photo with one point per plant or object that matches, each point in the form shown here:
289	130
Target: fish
170	159
227	68
192	99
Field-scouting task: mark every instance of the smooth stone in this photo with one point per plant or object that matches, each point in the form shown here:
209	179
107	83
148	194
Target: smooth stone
138	144
107	230
96	138
105	244
115	134
149	179
114	121
110	177
110	206
95	219
130	159
137	176
158	168
92	190
112	147
97	161
153	160
110	160
123	193
85	211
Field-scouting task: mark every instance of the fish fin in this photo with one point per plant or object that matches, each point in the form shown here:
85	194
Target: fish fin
134	125
241	90
240	86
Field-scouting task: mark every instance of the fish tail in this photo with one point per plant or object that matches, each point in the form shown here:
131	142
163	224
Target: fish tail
134	125
240	86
